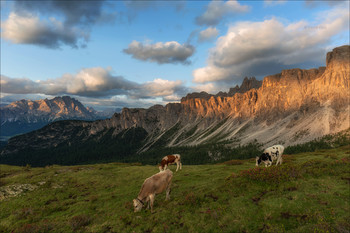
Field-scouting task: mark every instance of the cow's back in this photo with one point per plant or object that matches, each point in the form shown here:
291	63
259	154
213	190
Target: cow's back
157	183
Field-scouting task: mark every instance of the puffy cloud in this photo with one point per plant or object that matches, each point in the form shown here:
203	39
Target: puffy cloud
30	30
216	10
18	85
261	48
74	12
161	53
168	90
53	23
208	34
87	82
95	82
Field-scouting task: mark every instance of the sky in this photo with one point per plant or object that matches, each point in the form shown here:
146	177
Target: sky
115	54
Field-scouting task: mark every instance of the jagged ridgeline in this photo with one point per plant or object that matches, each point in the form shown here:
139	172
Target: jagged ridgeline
290	108
25	115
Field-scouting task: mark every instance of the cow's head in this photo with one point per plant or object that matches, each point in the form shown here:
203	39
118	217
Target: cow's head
137	205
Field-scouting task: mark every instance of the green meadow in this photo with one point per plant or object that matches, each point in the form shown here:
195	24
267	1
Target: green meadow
308	193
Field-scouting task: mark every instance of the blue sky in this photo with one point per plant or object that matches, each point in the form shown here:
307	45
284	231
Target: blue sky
112	54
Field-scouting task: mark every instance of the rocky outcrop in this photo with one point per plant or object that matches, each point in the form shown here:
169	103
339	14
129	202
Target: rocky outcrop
291	107
247	84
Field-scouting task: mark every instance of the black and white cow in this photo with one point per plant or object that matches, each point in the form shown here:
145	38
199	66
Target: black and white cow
270	154
265	157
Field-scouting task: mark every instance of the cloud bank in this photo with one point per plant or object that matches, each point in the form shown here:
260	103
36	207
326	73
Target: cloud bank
162	53
31	30
95	82
257	48
53	23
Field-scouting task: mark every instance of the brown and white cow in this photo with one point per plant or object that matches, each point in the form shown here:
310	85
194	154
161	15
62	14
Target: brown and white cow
170	159
151	186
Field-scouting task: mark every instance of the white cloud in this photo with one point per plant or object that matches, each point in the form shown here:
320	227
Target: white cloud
161	53
261	48
162	88
208	34
95	82
28	22
29	29
216	10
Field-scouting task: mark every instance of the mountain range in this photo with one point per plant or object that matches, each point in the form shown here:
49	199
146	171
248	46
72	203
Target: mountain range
26	115
294	106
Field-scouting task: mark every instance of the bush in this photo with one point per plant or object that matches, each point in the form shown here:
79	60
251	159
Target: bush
273	174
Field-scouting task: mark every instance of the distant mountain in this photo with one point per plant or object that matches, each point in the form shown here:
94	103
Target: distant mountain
26	115
292	107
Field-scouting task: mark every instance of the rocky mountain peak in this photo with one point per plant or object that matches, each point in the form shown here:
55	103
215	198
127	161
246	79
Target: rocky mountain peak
339	57
26	115
247	84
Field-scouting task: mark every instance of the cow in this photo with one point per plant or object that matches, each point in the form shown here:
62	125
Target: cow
170	159
266	158
151	186
274	152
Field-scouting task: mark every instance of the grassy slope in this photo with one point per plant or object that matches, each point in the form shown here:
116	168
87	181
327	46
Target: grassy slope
309	192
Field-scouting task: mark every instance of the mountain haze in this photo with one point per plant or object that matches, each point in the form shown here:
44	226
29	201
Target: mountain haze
291	107
27	115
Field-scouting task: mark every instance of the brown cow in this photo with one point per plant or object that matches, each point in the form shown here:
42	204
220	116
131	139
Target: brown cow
152	186
170	159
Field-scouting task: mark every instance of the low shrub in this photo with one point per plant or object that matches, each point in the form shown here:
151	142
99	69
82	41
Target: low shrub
273	174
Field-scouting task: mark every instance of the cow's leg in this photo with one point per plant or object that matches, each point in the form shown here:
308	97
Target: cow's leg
151	200
277	157
167	193
177	166
279	160
180	165
165	167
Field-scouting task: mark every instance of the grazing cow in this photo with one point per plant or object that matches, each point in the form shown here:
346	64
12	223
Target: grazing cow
265	157
170	159
275	152
151	186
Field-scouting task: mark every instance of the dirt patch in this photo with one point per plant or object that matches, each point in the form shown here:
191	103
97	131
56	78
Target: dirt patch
291	189
258	198
288	215
346	178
